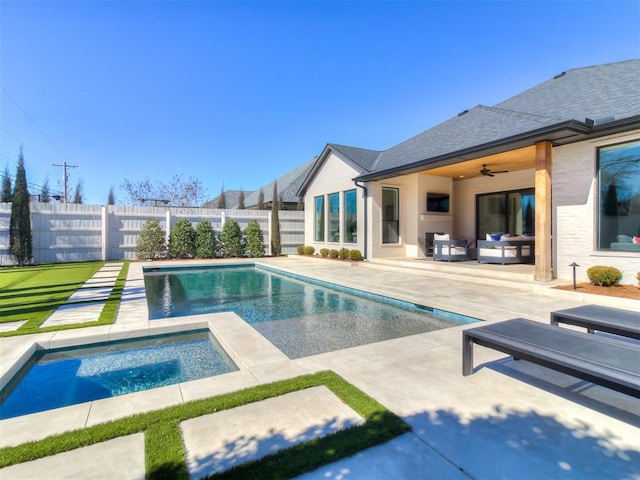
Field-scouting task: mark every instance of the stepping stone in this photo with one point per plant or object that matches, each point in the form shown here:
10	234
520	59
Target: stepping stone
75	313
122	457
11	326
219	441
106	274
99	282
88	294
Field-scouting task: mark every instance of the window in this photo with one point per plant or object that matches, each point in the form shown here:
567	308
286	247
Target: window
350	217
619	196
334	217
511	212
318	234
390	215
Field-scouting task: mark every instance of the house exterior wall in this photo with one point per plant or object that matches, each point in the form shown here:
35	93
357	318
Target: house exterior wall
465	191
333	177
575	212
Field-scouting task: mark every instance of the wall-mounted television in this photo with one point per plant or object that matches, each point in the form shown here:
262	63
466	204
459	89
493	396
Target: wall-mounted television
437	202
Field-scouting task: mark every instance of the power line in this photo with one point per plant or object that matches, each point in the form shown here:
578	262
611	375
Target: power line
30	119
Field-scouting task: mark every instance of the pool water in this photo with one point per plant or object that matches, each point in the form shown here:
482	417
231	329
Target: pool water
62	377
300	317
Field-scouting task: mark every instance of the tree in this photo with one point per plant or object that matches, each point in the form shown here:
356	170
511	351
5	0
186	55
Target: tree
6	195
231	239
254	239
111	198
260	204
20	238
151	243
45	194
241	200
222	199
276	248
182	240
179	191
205	240
77	195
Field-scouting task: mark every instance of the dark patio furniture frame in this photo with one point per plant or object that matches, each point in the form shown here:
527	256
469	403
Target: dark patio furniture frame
603	361
438	250
603	319
503	246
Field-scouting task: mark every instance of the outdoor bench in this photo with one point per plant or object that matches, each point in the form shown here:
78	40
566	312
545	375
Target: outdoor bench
603	319
610	363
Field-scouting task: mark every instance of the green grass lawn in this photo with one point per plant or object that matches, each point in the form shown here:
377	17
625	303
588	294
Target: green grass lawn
33	293
165	456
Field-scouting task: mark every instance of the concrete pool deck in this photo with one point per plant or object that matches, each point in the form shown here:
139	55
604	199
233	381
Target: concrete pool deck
508	420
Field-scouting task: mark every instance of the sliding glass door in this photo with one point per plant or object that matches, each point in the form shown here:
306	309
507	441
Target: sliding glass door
505	212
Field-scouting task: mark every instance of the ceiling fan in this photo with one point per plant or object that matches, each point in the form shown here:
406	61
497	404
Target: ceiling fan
488	172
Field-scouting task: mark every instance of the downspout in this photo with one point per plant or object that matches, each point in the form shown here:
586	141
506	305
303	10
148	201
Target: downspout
366	229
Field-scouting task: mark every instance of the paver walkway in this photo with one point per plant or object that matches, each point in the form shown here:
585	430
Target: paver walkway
86	303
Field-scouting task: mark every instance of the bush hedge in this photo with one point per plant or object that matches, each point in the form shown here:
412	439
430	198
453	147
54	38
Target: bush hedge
254	240
182	240
324	252
343	253
309	250
300	249
604	276
333	253
205	240
151	242
355	255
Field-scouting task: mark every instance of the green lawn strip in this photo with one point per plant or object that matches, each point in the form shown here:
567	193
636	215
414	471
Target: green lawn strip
164	449
46	296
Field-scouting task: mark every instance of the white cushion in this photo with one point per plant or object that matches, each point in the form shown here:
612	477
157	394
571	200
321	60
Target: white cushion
437	236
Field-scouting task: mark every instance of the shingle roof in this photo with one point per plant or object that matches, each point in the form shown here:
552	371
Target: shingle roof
288	185
600	93
231	198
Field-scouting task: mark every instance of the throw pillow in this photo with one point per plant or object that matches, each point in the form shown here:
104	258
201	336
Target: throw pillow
636	239
437	236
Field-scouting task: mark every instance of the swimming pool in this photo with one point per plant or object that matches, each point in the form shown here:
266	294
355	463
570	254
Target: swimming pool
67	376
298	315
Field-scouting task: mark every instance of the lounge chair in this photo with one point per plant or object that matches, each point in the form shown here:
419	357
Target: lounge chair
604	319
610	363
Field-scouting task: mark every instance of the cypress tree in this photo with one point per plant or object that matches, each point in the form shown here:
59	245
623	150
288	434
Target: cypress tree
6	195
20	238
260	203
276	248
241	200
45	195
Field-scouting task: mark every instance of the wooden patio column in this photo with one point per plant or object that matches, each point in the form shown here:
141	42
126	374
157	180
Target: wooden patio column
543	267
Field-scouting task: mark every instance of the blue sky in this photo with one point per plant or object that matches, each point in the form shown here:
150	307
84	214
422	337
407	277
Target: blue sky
239	93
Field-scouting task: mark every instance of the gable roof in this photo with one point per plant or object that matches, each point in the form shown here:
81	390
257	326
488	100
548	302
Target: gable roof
576	104
288	185
231	198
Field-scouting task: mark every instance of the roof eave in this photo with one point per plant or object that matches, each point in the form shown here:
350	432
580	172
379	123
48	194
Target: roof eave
563	133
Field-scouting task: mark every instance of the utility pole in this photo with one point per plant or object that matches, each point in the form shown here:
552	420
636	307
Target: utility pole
65	176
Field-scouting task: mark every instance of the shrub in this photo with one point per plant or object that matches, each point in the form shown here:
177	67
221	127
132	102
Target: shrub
343	253
182	240
355	255
231	239
300	249
205	240
604	276
309	250
325	251
254	239
151	242
333	253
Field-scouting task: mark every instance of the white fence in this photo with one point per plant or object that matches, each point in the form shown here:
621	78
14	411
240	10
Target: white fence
71	232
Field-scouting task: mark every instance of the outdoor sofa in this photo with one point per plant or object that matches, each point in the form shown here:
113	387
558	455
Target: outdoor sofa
449	250
611	363
504	249
626	243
